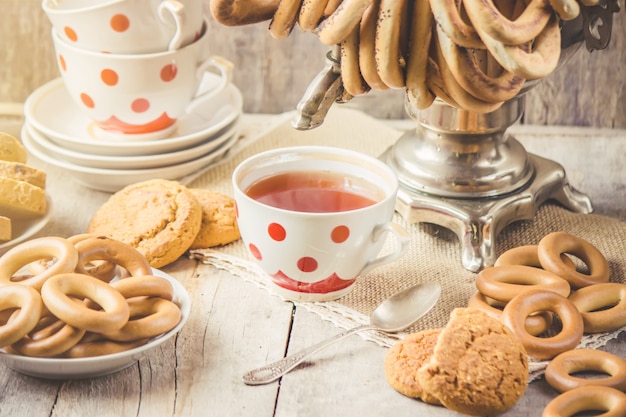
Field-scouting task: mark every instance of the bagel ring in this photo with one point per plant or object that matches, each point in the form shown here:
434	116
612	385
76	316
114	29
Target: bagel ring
417	91
533	301
466	71
22	321
446	14
485	15
602	306
435	83
351	77
531	65
284	18
103	248
553	245
388	52
536	324
465	100
52	340
149	317
526	255
341	22
504	282
6	315
560	369
591	398
101	348
311	13
34	250
242	12
367	47
146	285
566	9
56	293
330	8
103	270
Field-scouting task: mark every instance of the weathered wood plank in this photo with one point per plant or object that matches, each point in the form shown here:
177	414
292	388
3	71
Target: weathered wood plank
235	327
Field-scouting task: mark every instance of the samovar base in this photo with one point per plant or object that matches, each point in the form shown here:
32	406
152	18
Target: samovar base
478	221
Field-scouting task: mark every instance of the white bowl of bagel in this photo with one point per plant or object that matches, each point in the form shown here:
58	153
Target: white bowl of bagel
97	366
83	307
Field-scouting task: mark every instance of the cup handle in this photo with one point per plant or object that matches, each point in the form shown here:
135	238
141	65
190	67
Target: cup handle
402	236
225	69
175	9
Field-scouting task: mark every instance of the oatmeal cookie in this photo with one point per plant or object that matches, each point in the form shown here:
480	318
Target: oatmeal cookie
160	218
403	360
478	367
219	222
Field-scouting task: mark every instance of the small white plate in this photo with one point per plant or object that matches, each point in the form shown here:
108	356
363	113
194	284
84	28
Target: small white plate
132	162
112	180
51	111
81	368
23	229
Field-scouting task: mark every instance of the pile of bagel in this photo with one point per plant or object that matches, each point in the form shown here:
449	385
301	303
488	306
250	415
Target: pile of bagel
539	293
78	297
473	54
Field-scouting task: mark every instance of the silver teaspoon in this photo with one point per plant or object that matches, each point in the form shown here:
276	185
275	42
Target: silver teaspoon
395	313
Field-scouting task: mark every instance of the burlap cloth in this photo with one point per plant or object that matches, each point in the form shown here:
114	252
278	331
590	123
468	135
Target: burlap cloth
434	253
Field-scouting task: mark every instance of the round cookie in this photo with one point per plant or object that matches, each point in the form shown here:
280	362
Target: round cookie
403	360
219	222
11	149
478	366
160	218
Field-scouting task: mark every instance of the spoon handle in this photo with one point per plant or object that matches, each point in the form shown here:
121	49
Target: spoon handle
272	371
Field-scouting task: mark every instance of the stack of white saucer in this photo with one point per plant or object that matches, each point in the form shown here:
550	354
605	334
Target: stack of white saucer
139	97
56	132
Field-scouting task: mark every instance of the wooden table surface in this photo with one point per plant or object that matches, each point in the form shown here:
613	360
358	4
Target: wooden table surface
235	326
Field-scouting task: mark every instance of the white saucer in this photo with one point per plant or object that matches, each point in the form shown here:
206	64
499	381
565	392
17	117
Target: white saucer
131	162
80	368
51	111
25	228
112	180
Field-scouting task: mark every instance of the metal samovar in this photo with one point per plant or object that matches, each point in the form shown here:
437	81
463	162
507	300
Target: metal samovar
463	170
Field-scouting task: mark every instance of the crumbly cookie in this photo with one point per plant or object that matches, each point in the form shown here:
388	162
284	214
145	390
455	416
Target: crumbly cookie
11	149
22	172
160	218
19	199
219	220
478	366
403	360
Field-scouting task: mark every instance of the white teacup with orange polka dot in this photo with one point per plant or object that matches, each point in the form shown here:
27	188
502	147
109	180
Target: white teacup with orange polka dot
139	96
315	218
126	26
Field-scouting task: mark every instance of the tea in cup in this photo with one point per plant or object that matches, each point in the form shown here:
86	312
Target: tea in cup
138	96
126	26
315	218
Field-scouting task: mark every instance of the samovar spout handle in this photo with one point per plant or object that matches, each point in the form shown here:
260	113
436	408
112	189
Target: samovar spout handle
325	89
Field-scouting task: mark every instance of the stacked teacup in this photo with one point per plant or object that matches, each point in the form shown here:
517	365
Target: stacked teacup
133	66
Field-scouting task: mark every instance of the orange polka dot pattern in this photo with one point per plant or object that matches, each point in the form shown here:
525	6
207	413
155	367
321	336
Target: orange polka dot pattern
305	264
118	23
111	78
